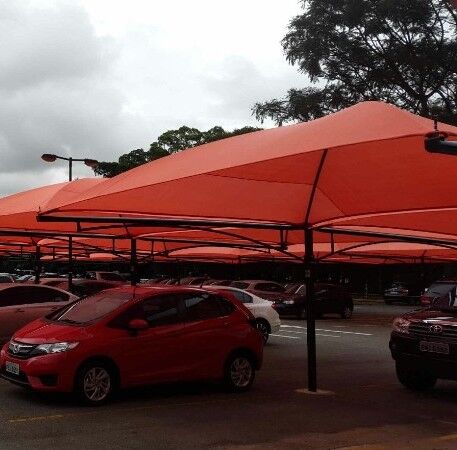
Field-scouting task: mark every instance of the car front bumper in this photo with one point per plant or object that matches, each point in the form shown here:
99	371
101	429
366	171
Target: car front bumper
53	372
405	350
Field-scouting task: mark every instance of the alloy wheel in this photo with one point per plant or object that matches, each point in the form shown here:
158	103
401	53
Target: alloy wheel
241	372
97	384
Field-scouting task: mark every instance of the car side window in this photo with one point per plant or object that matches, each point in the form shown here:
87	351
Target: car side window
10	297
205	306
43	294
161	310
26	295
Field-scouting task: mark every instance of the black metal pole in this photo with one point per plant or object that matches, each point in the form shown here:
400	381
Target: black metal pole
133	262
37	264
70	263
70	168
310	317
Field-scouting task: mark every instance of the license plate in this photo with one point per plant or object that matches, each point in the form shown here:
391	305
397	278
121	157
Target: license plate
12	367
434	347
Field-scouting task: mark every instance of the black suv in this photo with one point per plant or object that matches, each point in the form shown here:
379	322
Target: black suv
424	344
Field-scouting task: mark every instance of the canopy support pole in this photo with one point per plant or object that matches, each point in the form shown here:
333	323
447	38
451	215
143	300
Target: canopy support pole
133	262
70	263
37	264
310	316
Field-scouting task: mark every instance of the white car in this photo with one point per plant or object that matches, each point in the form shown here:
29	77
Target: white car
267	318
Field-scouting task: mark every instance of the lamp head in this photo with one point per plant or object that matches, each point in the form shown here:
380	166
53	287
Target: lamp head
48	157
91	162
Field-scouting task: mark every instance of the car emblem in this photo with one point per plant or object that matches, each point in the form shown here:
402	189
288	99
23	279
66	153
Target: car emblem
15	348
436	329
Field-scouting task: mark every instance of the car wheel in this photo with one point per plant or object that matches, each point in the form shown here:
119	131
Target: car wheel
415	379
302	314
347	312
264	327
95	383
239	373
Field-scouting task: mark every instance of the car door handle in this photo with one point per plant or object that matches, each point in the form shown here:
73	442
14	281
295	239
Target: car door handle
20	310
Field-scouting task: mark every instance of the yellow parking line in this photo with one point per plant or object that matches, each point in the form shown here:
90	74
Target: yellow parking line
448	437
136	408
33	418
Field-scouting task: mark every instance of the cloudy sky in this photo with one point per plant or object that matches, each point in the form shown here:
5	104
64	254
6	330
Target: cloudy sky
98	78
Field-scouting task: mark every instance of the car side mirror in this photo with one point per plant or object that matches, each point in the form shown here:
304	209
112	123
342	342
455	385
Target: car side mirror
137	325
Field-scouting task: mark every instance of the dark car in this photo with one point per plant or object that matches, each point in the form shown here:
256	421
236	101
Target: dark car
329	299
268	290
402	292
436	291
424	344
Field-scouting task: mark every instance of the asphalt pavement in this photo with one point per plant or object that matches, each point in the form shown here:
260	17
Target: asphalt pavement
361	405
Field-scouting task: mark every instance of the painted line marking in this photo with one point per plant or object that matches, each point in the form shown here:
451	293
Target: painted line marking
283	336
345	332
298	337
328	331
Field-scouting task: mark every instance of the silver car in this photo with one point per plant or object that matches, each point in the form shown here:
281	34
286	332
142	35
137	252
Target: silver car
23	303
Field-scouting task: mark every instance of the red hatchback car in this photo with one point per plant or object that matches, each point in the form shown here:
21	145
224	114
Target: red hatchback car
135	336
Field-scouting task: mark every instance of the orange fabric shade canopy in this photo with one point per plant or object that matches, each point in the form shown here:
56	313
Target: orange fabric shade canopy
366	159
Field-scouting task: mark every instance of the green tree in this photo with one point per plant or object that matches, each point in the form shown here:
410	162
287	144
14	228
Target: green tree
402	52
171	141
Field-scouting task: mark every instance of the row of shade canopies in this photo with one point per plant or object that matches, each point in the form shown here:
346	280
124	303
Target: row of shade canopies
360	175
355	184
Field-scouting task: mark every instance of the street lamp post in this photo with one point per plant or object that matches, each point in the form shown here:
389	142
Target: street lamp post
48	157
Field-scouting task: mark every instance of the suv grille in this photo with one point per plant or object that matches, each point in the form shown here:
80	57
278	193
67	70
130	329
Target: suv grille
20	350
426	329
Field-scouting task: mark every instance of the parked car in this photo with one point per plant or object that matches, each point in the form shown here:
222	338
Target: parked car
424	344
267	290
193	281
329	298
219	282
135	336
402	292
22	303
25	278
437	290
266	317
6	278
105	276
83	287
60	282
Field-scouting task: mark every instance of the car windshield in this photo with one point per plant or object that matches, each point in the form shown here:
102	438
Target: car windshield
91	309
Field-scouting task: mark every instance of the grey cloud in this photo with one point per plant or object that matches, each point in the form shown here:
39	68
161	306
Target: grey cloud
57	91
240	84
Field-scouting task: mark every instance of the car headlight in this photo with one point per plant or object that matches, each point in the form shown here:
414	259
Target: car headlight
57	347
401	325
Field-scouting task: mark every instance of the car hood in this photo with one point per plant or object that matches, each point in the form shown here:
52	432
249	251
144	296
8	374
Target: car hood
432	315
43	331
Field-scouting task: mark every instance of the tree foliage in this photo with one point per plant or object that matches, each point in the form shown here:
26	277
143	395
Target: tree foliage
171	141
402	52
